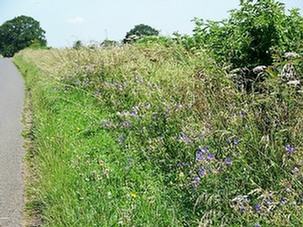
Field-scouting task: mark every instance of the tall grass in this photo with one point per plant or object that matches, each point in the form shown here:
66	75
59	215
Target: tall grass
146	135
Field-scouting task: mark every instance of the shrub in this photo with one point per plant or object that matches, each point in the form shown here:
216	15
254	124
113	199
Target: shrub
251	34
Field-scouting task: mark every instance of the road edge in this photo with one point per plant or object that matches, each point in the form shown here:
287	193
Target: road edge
30	213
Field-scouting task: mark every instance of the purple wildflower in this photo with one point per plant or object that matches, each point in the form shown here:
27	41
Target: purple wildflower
121	138
199	156
243	208
203	149
228	160
133	113
126	124
290	149
196	180
257	207
210	156
244	198
202	171
236	141
129	160
106	124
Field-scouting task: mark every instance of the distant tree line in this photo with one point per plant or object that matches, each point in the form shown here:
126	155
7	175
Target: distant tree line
139	31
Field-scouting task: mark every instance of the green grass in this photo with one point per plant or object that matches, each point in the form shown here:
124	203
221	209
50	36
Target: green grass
146	135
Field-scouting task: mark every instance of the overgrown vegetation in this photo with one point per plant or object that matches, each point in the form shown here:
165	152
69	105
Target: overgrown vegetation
251	35
157	134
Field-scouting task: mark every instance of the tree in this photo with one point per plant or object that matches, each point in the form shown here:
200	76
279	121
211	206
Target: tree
19	33
140	30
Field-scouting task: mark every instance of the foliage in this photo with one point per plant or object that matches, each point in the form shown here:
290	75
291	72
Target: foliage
109	43
150	134
77	44
138	31
251	35
19	33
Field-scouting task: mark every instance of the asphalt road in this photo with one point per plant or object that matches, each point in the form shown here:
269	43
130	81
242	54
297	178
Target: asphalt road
11	151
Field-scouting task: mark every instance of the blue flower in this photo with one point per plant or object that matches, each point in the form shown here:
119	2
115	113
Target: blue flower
203	149
202	171
290	149
210	156
257	207
228	160
243	208
196	180
199	156
121	138
236	141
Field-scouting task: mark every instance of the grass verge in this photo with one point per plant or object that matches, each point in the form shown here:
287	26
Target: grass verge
148	135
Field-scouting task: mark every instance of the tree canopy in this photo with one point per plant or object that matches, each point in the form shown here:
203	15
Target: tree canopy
140	30
19	33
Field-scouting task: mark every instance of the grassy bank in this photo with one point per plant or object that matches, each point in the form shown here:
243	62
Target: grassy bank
148	135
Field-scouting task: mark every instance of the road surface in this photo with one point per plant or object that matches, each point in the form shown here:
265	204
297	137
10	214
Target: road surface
11	151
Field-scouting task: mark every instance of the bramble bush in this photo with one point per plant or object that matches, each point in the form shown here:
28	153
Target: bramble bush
251	35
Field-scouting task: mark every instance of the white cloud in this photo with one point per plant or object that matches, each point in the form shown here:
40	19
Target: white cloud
76	20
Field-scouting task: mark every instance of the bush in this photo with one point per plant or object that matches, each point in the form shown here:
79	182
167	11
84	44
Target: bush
251	34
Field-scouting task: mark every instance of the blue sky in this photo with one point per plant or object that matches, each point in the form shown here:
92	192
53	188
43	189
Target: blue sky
94	20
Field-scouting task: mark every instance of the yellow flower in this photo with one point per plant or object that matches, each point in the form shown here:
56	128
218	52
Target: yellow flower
133	195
